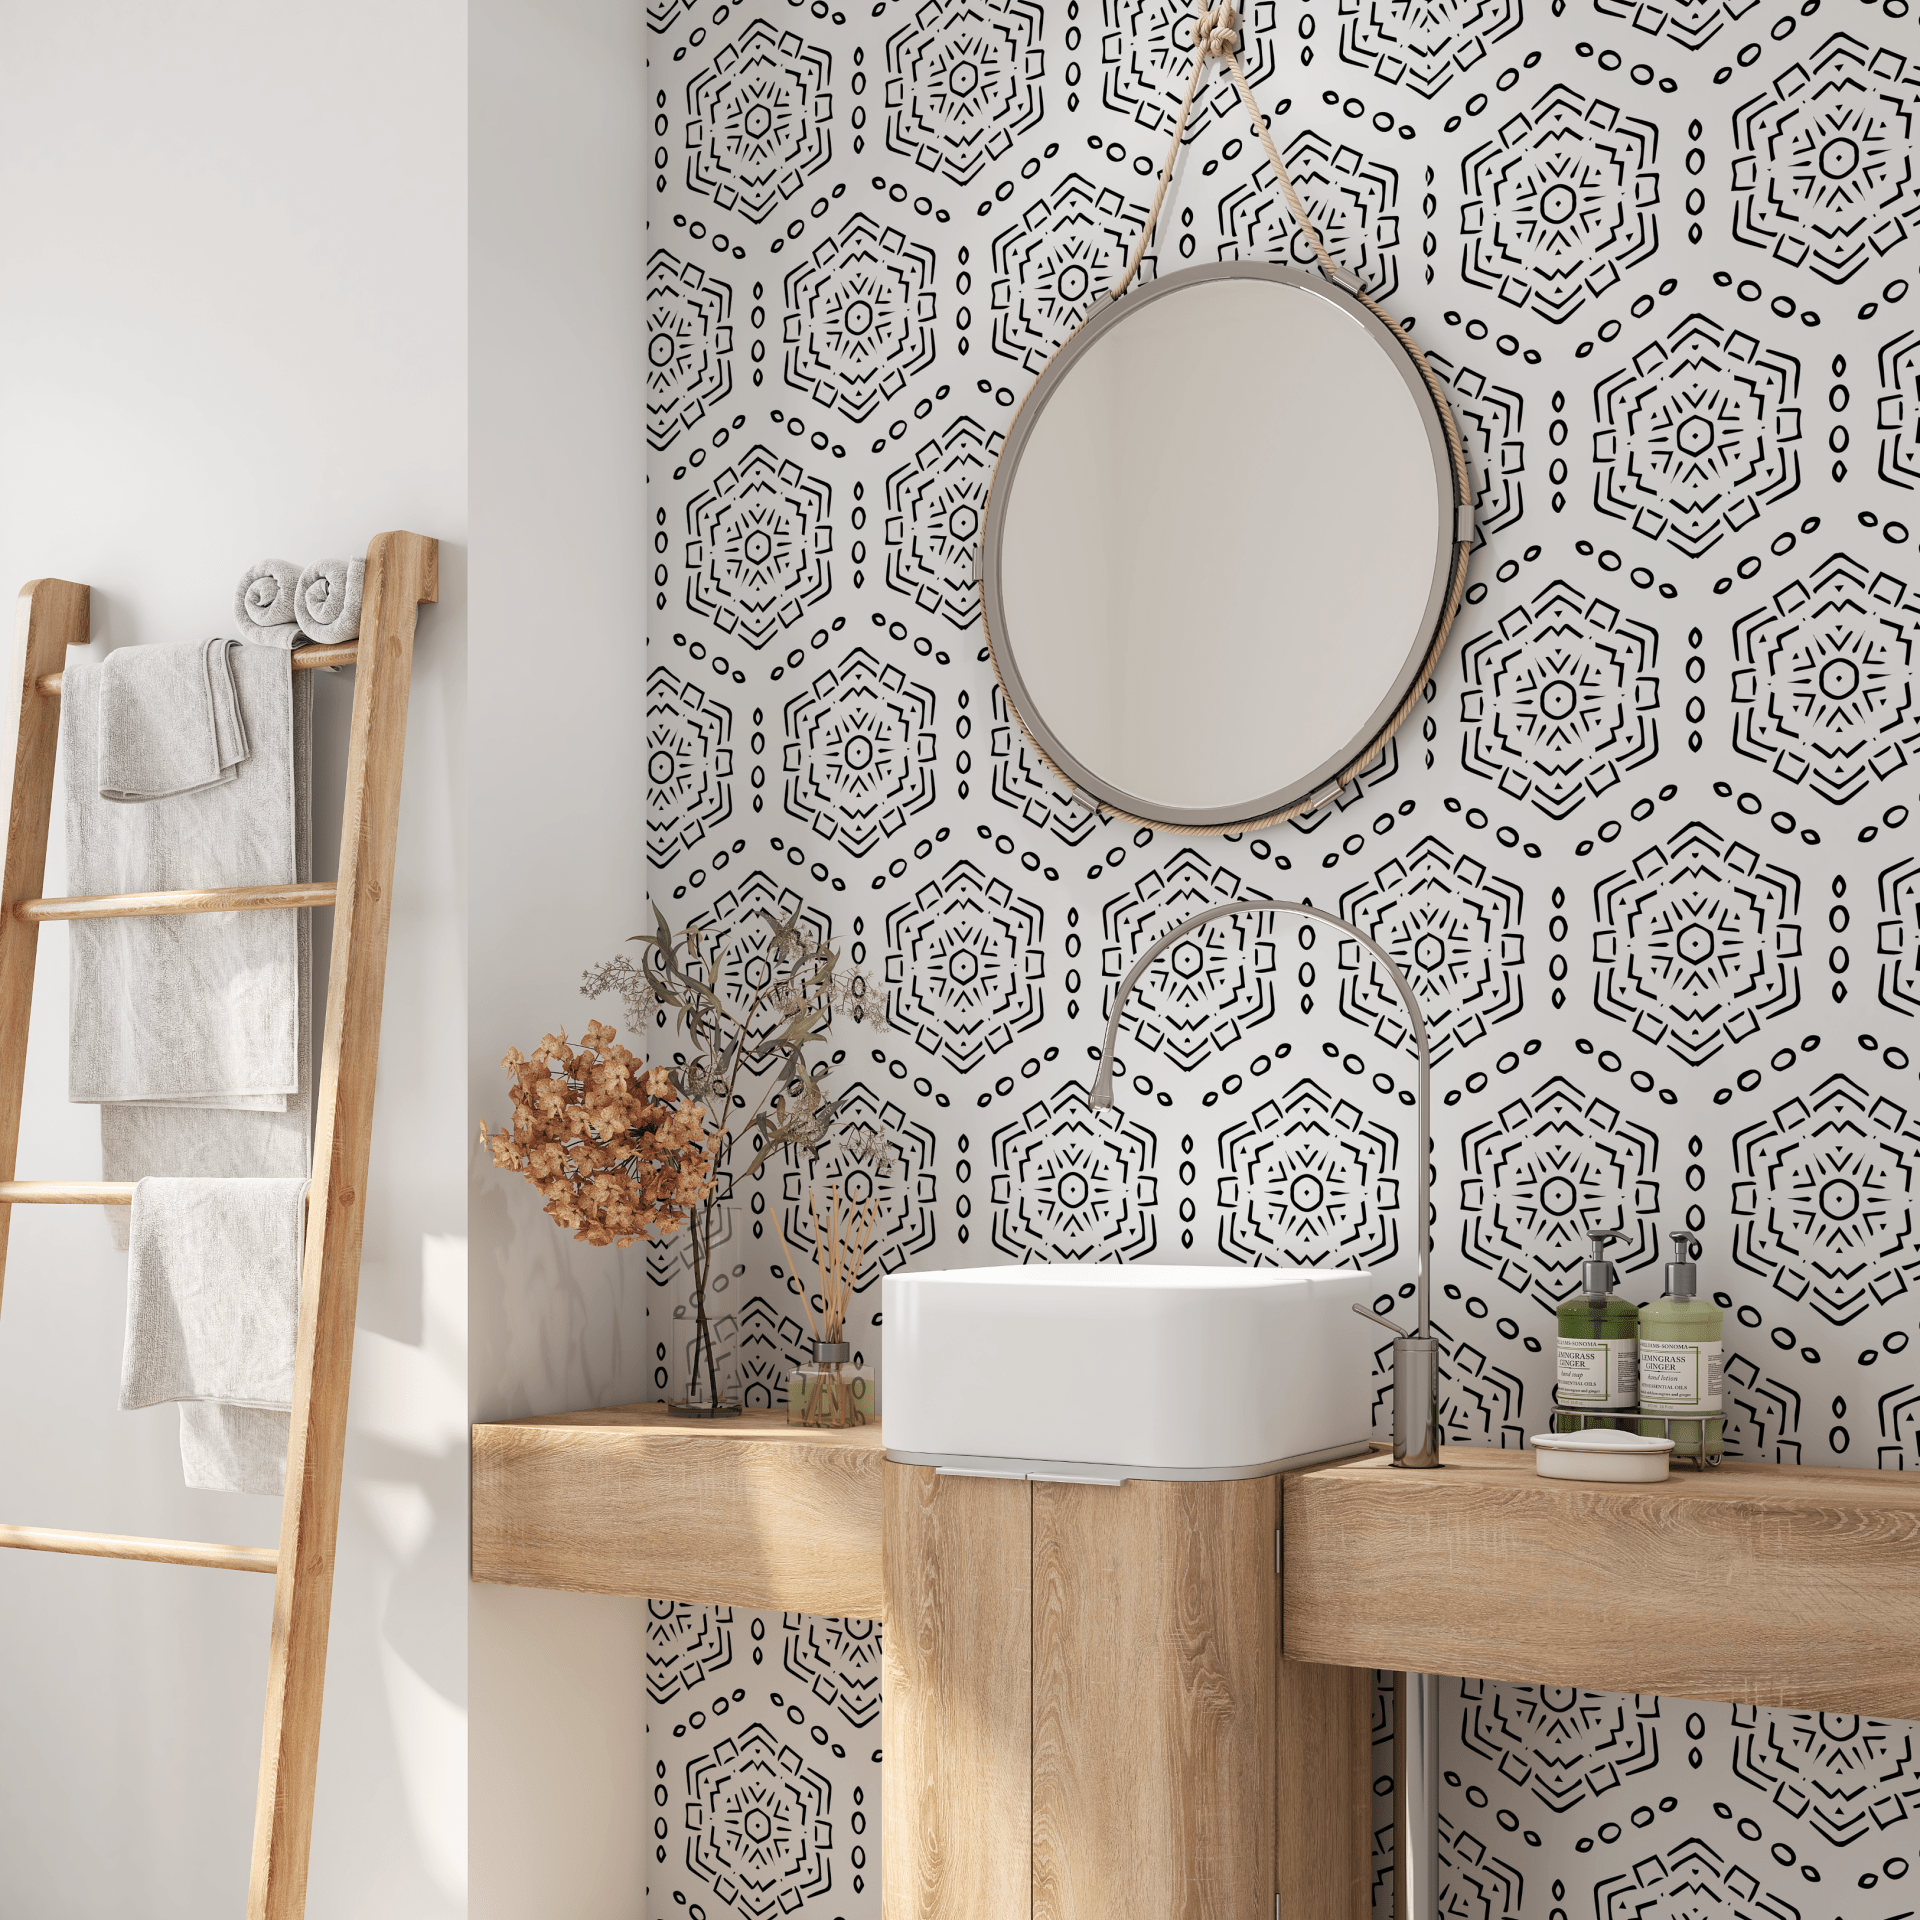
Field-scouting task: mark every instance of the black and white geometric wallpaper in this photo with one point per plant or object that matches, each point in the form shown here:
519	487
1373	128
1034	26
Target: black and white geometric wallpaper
1646	850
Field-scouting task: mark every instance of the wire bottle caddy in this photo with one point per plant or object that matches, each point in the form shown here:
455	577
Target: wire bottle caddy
1699	1439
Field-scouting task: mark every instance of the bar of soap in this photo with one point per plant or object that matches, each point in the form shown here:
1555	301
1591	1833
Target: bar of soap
1600	1454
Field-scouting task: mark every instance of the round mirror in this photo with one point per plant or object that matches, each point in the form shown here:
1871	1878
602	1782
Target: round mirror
1220	547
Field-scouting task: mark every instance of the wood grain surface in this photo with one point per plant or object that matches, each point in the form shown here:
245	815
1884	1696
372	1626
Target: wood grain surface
403	571
956	1699
746	1513
121	1546
134	906
1765	1585
1154	1641
1323	1847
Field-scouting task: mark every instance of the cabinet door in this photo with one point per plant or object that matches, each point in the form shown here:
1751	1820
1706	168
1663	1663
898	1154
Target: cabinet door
956	1698
1154	1644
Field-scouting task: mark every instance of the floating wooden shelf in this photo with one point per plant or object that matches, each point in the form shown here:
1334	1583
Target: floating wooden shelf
1772	1586
746	1513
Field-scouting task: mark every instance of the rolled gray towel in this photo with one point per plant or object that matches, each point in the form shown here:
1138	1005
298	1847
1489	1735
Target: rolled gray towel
264	603
327	602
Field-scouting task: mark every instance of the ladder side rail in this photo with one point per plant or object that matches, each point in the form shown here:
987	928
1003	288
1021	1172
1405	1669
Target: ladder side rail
52	616
402	573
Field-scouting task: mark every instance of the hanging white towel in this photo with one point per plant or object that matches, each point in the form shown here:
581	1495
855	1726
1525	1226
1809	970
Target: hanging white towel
200	1008
170	721
213	1317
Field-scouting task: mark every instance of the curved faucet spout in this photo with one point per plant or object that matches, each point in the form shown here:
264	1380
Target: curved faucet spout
1102	1094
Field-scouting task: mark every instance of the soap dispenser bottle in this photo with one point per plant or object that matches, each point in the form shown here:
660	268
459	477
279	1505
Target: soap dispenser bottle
1598	1362
1680	1350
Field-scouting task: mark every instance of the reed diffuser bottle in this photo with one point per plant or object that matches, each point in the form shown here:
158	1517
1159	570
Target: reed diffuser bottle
832	1390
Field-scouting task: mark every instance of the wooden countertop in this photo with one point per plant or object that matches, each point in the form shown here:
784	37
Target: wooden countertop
748	1512
1777	1586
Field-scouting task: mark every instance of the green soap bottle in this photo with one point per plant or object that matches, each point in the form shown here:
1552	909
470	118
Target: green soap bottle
1598	1362
1680	1351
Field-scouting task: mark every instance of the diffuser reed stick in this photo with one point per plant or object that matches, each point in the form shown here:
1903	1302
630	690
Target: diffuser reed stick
840	1244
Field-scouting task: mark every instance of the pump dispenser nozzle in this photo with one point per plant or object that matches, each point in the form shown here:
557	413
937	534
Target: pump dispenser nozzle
1598	1276
1683	1277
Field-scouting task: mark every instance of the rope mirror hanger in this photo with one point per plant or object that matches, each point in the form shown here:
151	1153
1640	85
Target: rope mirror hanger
1216	36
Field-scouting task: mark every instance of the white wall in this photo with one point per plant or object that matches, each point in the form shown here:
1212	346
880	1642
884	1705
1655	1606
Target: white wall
557	690
234	324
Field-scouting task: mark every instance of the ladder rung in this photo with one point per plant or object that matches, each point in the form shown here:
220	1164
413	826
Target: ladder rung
122	1546
124	906
66	1193
341	656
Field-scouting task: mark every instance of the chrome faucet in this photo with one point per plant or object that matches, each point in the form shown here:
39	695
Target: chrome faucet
1416	1373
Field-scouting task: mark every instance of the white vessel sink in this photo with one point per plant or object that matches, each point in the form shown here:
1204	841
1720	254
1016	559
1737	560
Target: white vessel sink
1116	1373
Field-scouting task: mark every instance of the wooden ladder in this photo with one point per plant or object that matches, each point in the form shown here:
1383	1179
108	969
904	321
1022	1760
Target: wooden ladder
402	573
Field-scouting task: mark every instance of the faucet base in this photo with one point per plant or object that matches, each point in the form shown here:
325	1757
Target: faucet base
1416	1403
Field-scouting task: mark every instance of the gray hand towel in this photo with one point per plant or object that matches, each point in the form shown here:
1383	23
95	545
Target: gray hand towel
169	721
264	604
213	1315
327	603
186	1007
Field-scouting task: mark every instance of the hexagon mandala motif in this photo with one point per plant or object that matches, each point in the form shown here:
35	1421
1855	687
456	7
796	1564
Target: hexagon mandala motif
738	922
963	83
859	753
689	346
1541	1173
904	1184
1453	929
838	1662
1900	410
758	1825
686	1646
1560	204
1823	1200
964	965
1348	197
689	766
935	505
1827	171
1825	679
1559	701
1899	942
1021	783
757	547
1849	1778
1690	1881
1489	418
1049	269
757	120
1563	1744
1213	987
1146	57
859	319
1687	23
1475	1883
773	1340
1073	1183
1482	1402
1309	1181
1422	44
1697	435
1697	944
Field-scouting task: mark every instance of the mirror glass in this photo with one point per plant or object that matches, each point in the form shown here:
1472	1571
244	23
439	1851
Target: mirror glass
1218	544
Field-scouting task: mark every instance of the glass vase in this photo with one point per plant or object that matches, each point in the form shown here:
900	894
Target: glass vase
701	1348
830	1390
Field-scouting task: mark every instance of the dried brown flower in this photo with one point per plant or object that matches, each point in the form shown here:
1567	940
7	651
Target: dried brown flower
616	1152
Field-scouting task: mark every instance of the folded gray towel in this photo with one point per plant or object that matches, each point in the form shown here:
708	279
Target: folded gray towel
169	720
327	604
264	603
179	1140
197	1007
213	1315
233	1449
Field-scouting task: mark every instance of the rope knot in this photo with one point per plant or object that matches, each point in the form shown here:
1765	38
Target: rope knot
1216	30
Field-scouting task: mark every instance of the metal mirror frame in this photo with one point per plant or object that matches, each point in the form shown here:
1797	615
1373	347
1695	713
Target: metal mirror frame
1338	767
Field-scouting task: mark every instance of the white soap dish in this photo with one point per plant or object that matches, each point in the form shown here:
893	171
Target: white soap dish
1601	1453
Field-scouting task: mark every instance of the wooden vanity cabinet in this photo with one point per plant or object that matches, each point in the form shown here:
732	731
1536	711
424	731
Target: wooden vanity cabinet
1080	1704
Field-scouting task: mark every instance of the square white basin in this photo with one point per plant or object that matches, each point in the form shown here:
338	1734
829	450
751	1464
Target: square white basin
1108	1372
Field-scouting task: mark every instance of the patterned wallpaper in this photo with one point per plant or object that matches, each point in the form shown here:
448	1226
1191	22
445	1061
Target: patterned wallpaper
1645	849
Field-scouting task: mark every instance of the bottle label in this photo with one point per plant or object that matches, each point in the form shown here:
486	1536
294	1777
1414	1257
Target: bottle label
1597	1373
1680	1376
